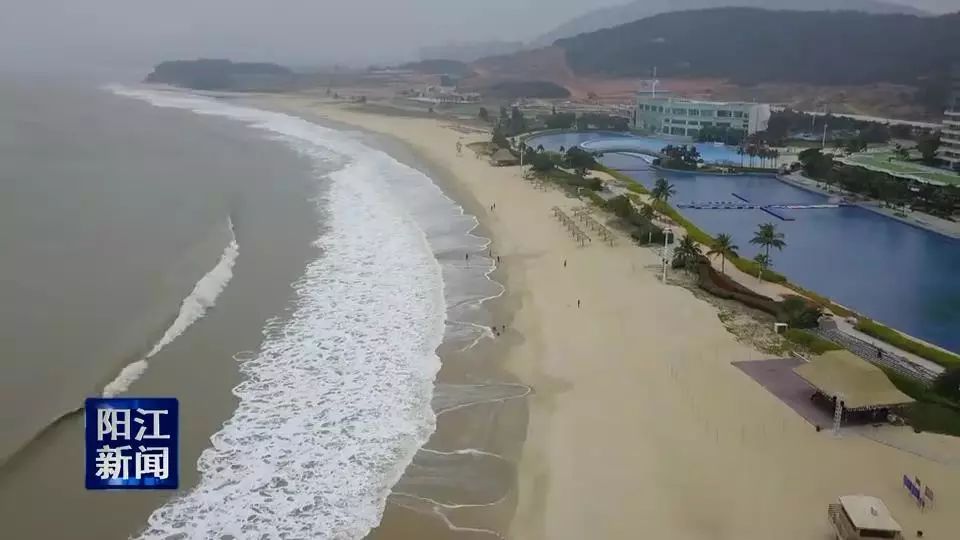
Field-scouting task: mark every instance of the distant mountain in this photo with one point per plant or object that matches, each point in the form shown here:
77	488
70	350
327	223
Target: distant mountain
748	46
218	74
640	9
470	51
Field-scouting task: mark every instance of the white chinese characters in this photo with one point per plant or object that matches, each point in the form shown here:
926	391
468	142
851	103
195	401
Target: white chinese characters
118	461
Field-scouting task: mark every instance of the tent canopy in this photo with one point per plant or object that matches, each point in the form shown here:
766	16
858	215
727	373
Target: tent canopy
504	156
860	384
867	512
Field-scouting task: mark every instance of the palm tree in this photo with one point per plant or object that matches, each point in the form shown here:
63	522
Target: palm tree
723	247
767	237
763	262
687	253
662	191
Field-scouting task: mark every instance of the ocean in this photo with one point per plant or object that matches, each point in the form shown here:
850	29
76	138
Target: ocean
289	282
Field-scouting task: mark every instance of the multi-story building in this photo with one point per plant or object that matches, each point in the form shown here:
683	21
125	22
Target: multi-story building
668	115
949	152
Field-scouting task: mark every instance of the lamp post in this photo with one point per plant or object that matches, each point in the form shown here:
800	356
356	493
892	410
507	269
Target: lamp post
666	259
521	159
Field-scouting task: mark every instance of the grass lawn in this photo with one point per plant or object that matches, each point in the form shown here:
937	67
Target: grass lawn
880	161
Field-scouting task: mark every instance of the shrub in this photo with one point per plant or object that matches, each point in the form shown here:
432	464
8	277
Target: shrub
948	384
597	199
799	313
629	183
822	301
750	267
931	412
900	341
811	342
933	417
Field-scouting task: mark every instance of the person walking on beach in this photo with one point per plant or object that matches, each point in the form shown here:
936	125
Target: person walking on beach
459	147
498	259
564	263
578	303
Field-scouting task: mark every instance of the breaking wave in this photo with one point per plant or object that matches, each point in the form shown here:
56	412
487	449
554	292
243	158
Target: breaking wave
336	402
194	306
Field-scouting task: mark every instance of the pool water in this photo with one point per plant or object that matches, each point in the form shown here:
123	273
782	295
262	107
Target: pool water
898	274
607	141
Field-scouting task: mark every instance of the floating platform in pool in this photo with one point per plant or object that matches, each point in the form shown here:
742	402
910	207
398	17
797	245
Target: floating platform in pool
745	204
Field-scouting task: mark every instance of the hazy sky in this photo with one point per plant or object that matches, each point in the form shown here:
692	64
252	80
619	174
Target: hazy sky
127	33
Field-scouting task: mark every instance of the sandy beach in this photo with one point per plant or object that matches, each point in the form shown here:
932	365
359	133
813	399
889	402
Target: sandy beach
639	426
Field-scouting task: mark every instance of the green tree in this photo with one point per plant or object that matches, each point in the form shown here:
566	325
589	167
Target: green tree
560	120
815	163
499	138
723	247
579	160
680	157
752	151
662	191
518	124
928	147
767	236
541	162
855	145
763	262
686	254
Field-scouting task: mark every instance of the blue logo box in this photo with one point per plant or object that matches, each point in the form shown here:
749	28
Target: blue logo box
131	443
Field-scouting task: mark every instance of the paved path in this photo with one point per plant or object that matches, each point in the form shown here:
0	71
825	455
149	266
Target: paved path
849	328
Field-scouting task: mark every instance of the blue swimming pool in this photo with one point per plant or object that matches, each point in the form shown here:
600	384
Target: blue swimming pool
900	275
606	141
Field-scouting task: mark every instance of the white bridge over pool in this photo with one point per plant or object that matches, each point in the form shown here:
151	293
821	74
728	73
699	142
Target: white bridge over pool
745	204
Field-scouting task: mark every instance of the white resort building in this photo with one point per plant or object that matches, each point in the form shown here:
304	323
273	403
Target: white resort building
668	115
949	152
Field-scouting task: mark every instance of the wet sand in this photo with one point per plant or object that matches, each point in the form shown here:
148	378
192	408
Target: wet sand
638	425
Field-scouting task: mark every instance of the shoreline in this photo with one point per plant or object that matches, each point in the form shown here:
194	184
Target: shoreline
466	375
807	184
637	414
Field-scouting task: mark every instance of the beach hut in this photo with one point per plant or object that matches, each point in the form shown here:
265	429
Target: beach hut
861	516
863	391
503	158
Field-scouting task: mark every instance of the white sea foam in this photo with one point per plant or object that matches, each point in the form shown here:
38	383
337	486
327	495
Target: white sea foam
194	306
337	401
